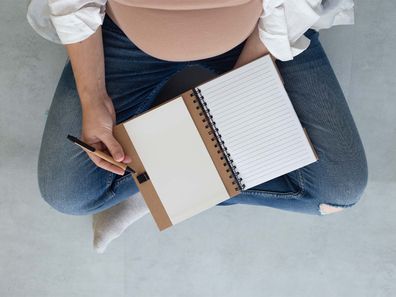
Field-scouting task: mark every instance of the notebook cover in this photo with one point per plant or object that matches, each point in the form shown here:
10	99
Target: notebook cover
147	189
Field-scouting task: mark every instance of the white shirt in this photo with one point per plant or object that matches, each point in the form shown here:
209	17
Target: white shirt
281	26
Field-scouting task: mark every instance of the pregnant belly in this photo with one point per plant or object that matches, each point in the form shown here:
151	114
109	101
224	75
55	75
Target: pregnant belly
186	34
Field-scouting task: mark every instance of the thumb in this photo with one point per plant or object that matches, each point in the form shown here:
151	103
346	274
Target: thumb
113	146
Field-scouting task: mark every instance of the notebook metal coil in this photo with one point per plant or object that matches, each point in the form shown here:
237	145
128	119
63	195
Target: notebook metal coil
217	139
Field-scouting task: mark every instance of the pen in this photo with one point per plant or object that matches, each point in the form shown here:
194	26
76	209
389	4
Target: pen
100	154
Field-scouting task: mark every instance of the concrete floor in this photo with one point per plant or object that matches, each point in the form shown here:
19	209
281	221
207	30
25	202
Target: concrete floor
251	251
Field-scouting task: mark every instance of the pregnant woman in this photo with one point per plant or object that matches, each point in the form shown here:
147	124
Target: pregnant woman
122	52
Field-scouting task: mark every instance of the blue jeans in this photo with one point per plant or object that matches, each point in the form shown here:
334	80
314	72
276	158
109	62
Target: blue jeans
71	183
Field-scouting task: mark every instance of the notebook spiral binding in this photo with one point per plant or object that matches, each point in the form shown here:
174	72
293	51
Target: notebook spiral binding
207	117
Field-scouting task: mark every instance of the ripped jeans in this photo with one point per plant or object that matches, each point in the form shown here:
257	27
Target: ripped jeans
71	183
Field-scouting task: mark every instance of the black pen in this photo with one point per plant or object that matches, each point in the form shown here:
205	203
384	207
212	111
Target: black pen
100	154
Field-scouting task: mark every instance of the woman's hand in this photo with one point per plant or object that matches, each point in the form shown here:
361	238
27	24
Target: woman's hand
98	120
98	115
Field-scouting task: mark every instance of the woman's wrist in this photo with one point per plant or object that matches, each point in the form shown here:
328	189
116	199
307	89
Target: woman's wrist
87	59
89	99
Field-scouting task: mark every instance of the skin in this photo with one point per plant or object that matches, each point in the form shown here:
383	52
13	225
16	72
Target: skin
98	114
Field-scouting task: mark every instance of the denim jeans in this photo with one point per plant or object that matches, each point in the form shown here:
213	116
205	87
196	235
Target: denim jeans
71	183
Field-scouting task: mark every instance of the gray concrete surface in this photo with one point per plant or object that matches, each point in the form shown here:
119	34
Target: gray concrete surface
232	251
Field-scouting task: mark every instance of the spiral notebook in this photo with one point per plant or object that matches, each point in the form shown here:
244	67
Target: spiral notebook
207	145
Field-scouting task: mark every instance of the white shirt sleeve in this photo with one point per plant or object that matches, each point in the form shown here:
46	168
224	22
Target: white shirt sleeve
66	21
284	22
281	26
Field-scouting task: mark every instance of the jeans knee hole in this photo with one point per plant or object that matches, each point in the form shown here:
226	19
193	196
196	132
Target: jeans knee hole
326	209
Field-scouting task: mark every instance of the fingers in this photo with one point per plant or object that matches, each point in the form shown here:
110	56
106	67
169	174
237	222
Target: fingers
114	147
108	144
100	146
127	159
105	165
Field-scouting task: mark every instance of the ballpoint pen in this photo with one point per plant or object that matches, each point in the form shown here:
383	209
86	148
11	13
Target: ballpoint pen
100	154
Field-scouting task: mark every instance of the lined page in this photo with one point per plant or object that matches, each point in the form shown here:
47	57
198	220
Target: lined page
176	159
257	122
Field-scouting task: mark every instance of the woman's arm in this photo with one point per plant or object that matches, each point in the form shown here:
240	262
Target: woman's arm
253	49
78	25
98	114
87	60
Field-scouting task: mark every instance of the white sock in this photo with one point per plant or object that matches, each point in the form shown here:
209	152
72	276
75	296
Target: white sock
111	223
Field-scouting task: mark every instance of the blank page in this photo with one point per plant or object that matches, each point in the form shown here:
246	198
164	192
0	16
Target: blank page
257	122
176	160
